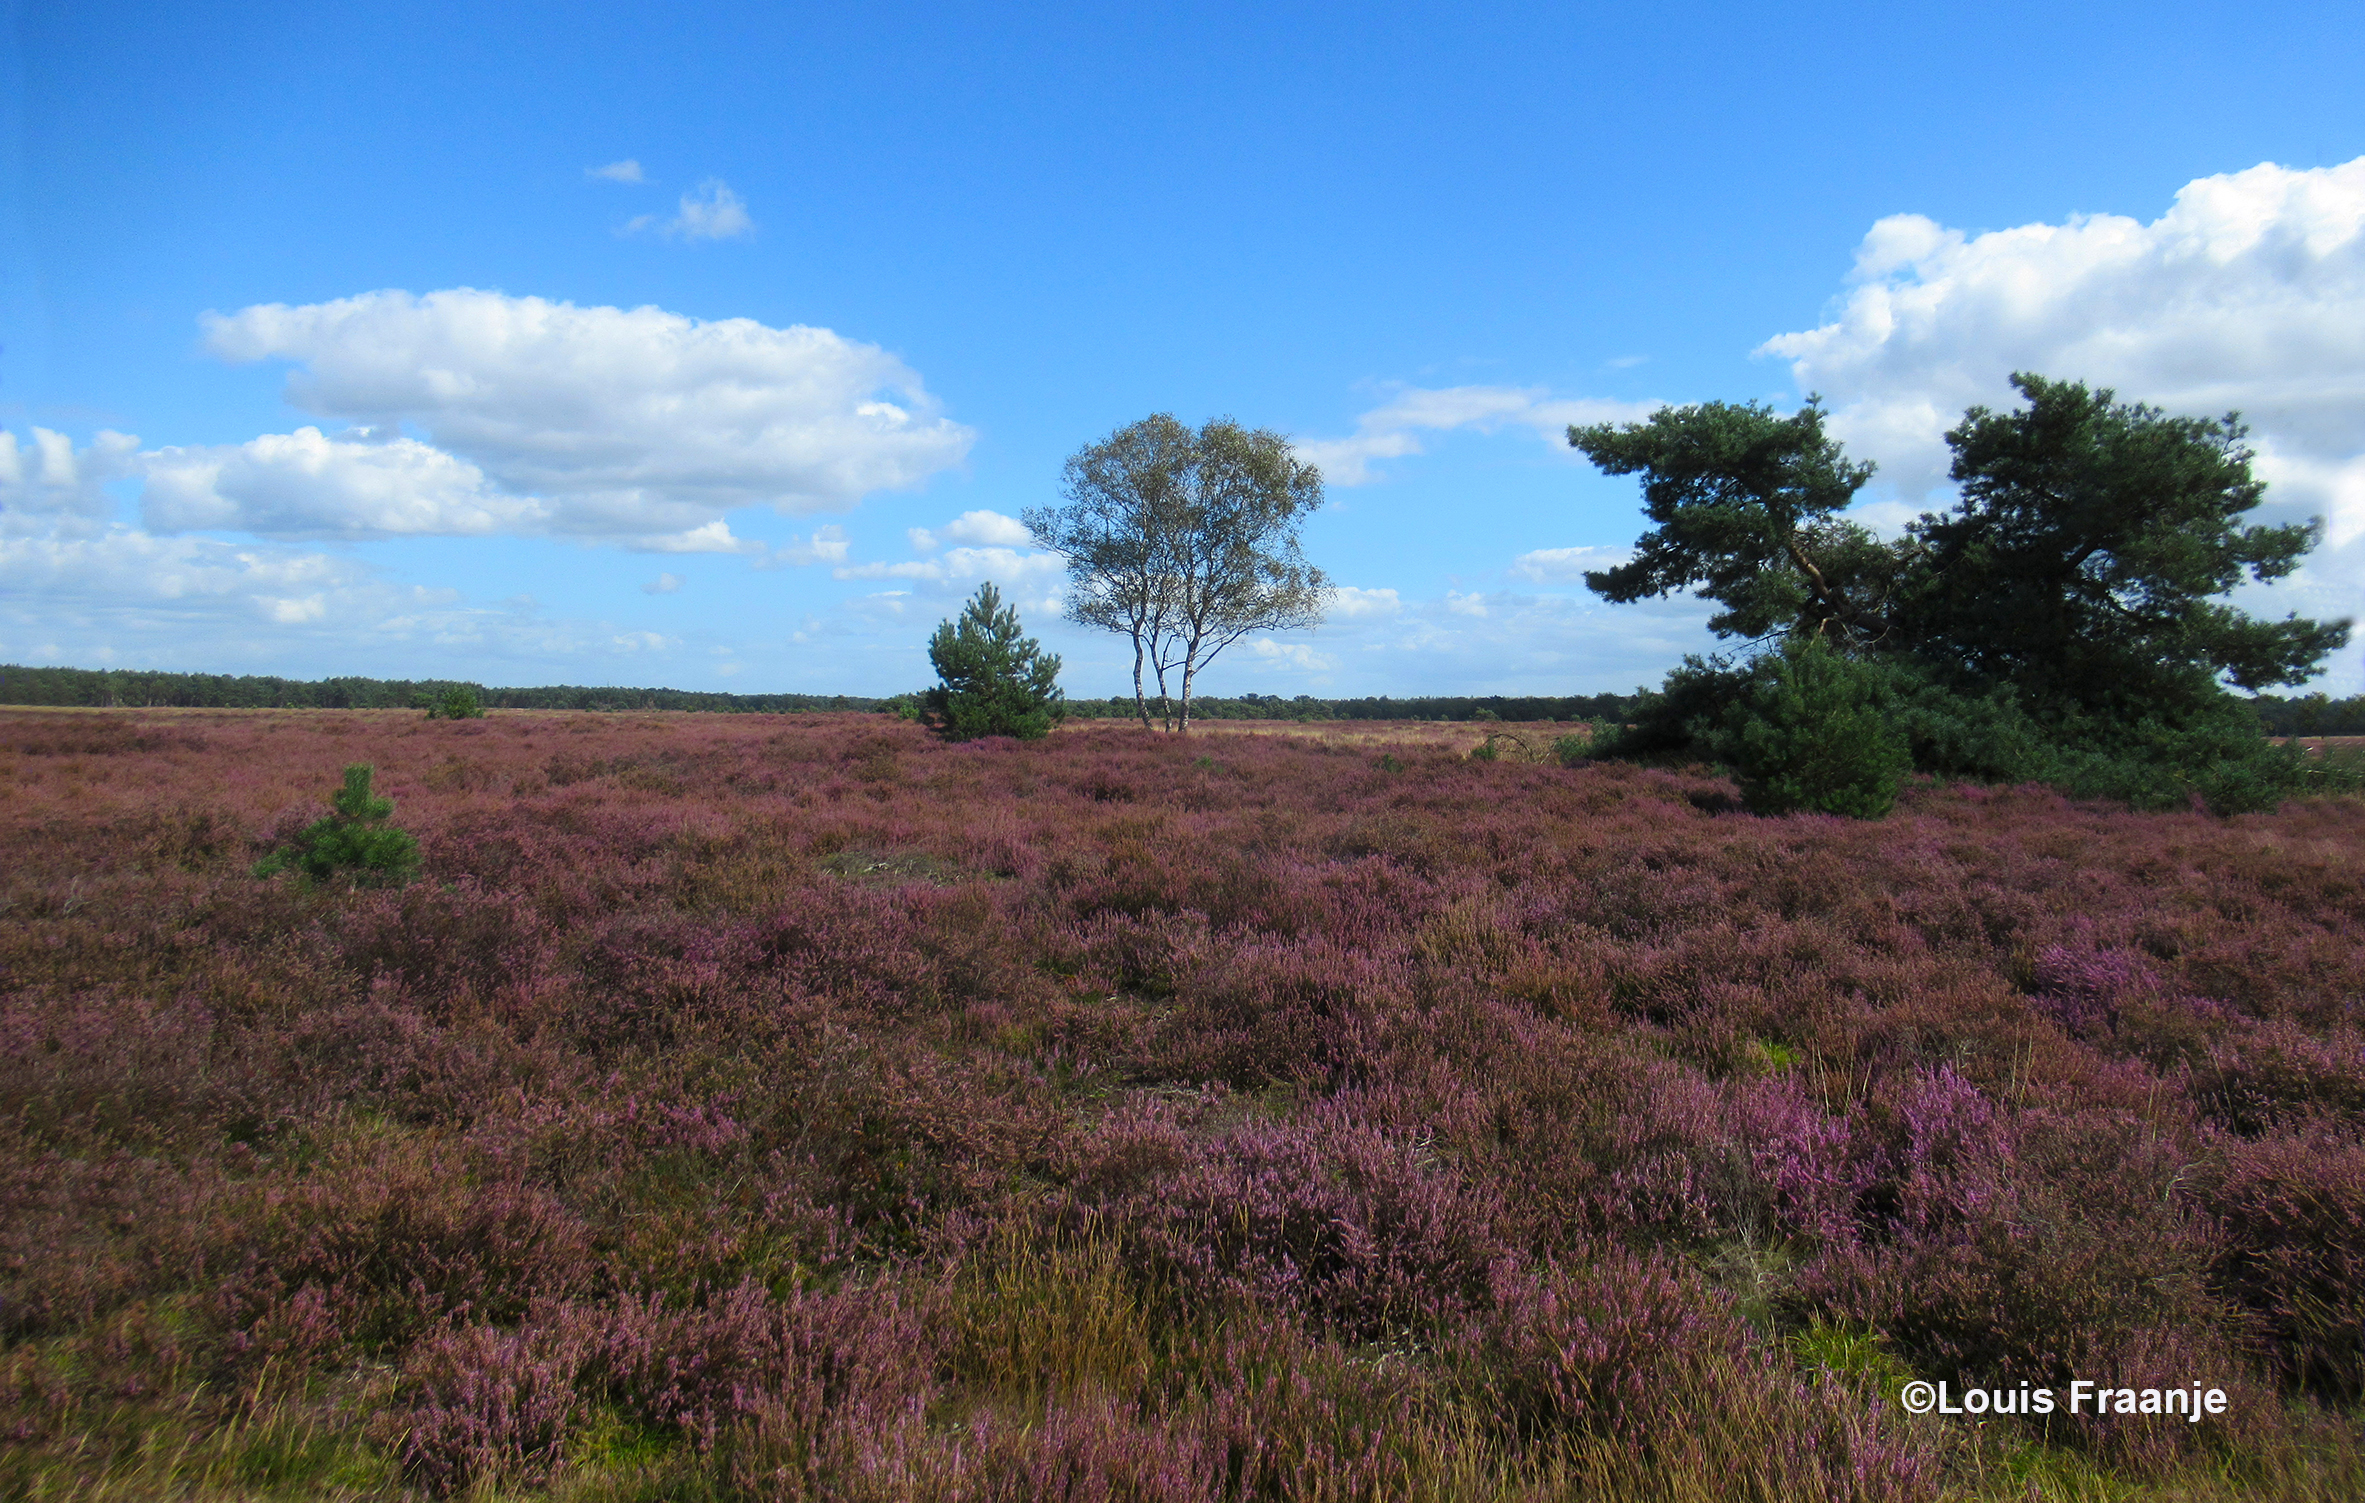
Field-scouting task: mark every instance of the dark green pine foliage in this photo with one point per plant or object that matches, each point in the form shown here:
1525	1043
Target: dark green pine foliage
458	702
2084	570
2064	623
996	681
1807	731
355	843
2083	564
1746	504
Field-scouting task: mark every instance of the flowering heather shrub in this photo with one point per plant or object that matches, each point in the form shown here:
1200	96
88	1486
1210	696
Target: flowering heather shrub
1600	1346
1329	1218
107	1067
2293	1207
1253	1012
1093	1451
490	1404
90	1234
2084	990
2257	1076
2035	1248
805	1106
1609	1356
97	736
385	1057
788	1385
441	943
387	1240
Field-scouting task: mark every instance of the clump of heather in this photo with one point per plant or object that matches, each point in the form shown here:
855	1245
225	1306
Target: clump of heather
795	1387
2292	1203
1329	1219
809	1107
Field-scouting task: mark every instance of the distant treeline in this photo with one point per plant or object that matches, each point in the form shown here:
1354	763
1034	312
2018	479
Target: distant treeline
2310	715
20	685
1585	707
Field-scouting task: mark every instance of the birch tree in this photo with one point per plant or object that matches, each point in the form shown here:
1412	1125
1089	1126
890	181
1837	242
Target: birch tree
1184	542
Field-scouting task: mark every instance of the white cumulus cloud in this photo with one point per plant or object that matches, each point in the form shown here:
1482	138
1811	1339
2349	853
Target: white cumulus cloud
827	545
993	547
711	211
1560	565
123	572
1348	603
85	591
307	485
708	537
1006	565
50	478
598	423
626	171
989	528
1395	429
1293	655
2248	294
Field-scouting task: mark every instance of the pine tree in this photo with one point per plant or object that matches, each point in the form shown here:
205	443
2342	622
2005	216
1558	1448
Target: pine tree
1806	733
355	842
996	682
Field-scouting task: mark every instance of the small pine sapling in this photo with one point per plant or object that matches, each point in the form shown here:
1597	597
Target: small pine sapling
996	681
354	843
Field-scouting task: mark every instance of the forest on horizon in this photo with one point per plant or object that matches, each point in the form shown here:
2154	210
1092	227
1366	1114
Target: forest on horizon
32	687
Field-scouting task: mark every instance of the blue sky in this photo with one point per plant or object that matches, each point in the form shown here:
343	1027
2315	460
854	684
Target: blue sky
717	347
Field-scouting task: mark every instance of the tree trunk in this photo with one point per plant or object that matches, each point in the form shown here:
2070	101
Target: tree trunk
1190	667
1141	702
1834	608
1165	703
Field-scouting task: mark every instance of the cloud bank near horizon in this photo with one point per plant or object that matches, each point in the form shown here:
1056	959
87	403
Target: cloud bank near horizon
2247	294
1397	428
474	414
543	418
468	414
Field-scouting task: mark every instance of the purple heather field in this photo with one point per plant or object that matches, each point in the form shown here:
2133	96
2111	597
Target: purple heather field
800	1107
